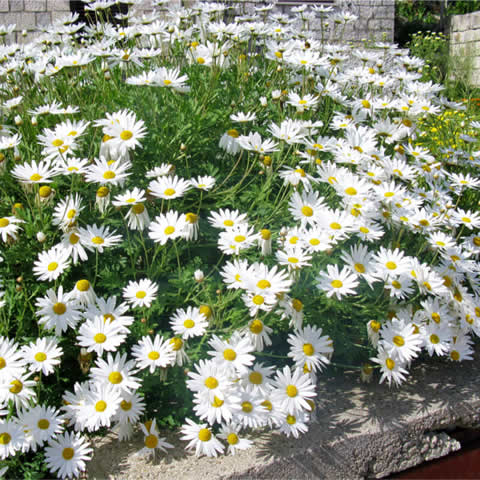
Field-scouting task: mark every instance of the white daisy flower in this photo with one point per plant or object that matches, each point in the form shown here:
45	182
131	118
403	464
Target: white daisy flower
67	455
201	439
188	323
98	336
153	353
43	355
141	293
52	263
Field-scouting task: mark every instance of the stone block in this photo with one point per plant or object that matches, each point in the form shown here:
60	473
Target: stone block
43	19
23	20
35	5
16	5
58	5
461	23
3	5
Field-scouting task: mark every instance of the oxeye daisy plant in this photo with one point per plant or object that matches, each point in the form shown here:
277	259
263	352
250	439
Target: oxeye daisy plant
210	223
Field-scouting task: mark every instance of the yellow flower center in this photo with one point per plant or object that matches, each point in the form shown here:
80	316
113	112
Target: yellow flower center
396	284
115	378
292	259
125	406
204	435
240	238
138	209
247	407
291	420
68	453
336	283
59	308
169	230
43	424
267	404
99	338
167	82
191	217
297	305
233	133
57	142
205	310
108	175
256	378
153	355
292	391
102	192
151	441
101	406
366	104
398	341
169	192
211	383
391	265
3	363
375	326
360	268
16	386
335	226
314	241
83	285
350	191
4	222
434	339
44	191
126	135
141	294
390	363
308	349
176	343
40	357
232	439
258	300
229	355
256	326
189	323
98	240
307	211
454	355
263	284
5	438
52	266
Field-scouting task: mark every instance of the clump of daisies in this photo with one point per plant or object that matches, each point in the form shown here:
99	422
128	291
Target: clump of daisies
168	231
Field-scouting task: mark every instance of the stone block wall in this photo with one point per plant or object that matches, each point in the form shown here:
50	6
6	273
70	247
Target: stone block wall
465	45
375	17
30	15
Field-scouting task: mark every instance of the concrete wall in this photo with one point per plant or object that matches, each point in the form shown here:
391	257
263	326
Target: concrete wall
465	45
375	22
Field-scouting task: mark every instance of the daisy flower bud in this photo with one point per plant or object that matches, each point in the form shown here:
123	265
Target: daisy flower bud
18	120
34	121
199	276
41	237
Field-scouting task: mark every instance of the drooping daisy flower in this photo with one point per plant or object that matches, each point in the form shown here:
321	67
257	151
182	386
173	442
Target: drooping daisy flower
9	227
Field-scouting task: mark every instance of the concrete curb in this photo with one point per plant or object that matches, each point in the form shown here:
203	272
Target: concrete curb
361	431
